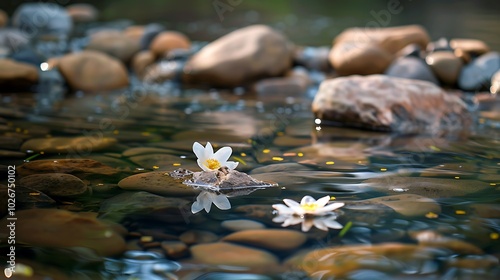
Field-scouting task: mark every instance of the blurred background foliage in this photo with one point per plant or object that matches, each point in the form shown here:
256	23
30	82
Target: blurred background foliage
305	22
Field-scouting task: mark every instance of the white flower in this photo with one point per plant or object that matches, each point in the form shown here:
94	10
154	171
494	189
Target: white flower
307	206
209	161
320	222
205	199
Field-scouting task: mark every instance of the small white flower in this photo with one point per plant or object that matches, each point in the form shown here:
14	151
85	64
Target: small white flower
209	161
205	199
307	206
320	222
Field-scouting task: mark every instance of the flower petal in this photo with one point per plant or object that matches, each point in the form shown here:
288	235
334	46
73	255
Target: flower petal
283	209
209	151
320	224
205	200
292	220
202	166
307	224
199	150
280	218
331	223
223	154
231	164
295	206
196	207
330	207
323	201
222	202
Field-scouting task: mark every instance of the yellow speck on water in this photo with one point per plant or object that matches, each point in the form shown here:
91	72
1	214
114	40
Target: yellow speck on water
266	151
243	154
146	238
116	132
431	215
280	133
457	177
493	184
18	129
494	235
155	167
176	164
300	154
26	131
460	212
34	193
332	198
383	169
42	152
145	133
434	148
330	162
277	158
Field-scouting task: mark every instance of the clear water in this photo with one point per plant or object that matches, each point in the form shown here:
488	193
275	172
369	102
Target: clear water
274	138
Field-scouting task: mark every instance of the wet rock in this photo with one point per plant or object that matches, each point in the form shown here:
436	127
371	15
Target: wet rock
55	184
411	68
150	32
42	19
241	224
338	262
198	236
240	57
442	44
430	238
93	71
17	75
10	143
368	51
163	71
82	12
313	58
222	253
412	50
68	145
472	47
273	239
282	86
174	249
477	74
114	43
388	103
135	33
81	168
445	65
162	162
27	198
408	204
4	18
495	83
486	210
474	263
156	182
166	41
141	203
451	171
55	228
12	40
141	61
258	211
333	152
428	187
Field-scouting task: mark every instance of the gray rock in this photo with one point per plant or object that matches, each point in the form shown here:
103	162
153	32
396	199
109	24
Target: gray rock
35	19
477	74
411	68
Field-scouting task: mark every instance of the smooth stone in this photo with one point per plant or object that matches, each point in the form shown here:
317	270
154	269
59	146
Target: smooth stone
68	145
4	18
35	18
474	263
198	236
495	83
175	249
114	43
82	12
368	51
81	168
477	74
341	151
55	184
412	50
442	44
93	71
411	68
390	104
55	228
167	41
158	182
150	32
240	57
486	210
273	239
451	171
291	141
411	205
471	46
430	238
222	253
142	203
241	224
17	75
141	61
445	65
339	261
135	33
163	71
428	187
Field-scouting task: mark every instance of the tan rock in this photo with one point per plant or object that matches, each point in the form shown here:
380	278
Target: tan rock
82	12
141	61
17	74
198	236
55	184
55	228
388	103
167	41
470	46
240	57
445	65
114	43
430	238
411	205
68	144
4	18
274	239
134	32
93	71
156	182
174	249
371	50
241	224
222	253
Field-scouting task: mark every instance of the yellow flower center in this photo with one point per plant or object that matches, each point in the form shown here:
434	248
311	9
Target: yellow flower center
309	207
212	164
